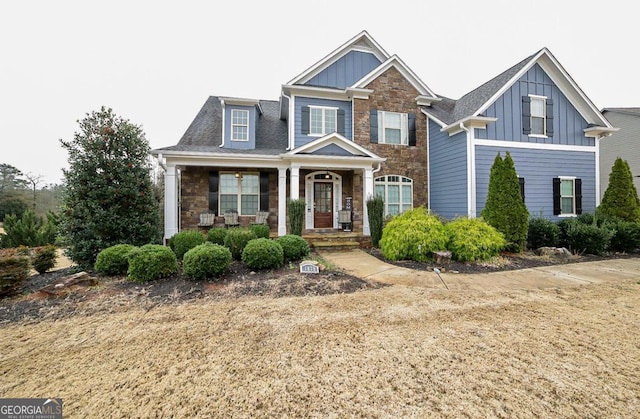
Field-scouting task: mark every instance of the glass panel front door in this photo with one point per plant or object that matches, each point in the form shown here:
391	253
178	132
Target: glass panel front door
323	205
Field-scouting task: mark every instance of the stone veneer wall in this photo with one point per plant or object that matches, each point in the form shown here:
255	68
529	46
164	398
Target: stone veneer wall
392	92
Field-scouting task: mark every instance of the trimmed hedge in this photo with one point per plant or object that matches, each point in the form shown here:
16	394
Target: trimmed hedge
415	235
263	254
294	247
473	239
184	241
114	260
260	230
236	239
542	233
207	260
216	235
151	261
585	238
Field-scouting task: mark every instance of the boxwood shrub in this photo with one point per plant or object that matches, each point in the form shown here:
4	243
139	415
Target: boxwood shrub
114	260
542	233
207	260
413	235
473	239
260	230
585	238
293	246
150	262
626	235
184	241
216	235
263	254
236	239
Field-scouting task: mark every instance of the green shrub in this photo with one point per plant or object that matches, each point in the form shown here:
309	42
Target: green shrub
413	235
216	235
206	260
43	258
114	260
296	208
621	197
293	247
473	239
14	270
375	214
626	235
260	230
184	241
29	230
263	254
237	239
151	261
542	233
586	238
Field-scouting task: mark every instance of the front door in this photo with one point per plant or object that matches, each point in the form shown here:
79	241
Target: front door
323	205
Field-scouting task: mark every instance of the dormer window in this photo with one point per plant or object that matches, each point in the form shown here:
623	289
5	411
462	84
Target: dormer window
323	120
239	125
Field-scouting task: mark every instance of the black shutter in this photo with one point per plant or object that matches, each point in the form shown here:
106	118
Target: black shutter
341	122
526	115
412	128
264	191
306	118
373	117
578	192
556	196
521	182
549	118
213	191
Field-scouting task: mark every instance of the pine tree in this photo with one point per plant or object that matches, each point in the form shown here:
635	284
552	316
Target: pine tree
505	209
621	197
109	196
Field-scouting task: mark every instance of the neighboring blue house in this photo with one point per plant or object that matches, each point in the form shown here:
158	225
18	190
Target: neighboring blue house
360	122
537	113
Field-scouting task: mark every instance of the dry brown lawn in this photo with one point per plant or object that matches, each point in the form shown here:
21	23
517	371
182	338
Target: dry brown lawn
391	352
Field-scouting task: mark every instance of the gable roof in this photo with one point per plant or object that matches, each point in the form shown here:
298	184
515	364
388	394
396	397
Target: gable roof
361	42
406	72
626	111
450	112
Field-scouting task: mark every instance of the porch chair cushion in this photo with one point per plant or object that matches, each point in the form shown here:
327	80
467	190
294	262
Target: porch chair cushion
231	219
261	217
207	218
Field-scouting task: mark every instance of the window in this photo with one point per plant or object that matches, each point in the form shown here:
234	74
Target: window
397	192
239	192
567	196
239	125
323	120
537	116
392	127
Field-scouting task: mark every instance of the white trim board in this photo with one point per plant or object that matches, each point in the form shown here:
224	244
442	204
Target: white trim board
535	146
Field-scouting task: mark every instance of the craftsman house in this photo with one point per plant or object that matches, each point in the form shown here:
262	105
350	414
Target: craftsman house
360	122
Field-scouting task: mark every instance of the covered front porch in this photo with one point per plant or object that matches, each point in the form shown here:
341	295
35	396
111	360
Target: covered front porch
331	174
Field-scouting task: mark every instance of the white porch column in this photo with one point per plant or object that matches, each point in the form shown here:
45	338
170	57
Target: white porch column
170	202
282	201
294	182
367	191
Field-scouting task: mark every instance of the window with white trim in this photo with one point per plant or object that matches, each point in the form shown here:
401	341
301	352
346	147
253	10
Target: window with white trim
323	120
239	192
239	125
567	196
397	192
392	127
538	115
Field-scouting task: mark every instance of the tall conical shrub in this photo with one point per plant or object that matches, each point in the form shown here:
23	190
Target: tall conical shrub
296	209
505	210
375	214
621	197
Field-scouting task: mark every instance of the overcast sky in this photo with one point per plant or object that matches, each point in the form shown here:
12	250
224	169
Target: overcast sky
156	62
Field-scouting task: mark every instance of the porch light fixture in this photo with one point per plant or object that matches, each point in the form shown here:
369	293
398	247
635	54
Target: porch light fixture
327	175
238	175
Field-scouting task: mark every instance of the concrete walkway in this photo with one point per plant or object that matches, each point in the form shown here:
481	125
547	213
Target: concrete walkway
363	265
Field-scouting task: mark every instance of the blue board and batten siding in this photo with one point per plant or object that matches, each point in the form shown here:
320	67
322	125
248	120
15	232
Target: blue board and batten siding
240	145
538	168
301	101
568	124
345	71
447	172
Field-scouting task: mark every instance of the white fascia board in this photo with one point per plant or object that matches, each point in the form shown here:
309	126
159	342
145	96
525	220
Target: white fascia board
423	100
598	132
316	92
406	72
190	158
333	138
338	53
469	122
332	162
534	146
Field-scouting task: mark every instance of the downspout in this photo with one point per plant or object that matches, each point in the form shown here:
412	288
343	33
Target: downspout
470	175
160	162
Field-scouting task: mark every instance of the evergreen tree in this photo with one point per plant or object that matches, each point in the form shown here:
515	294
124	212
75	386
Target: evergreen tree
109	195
621	197
505	209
